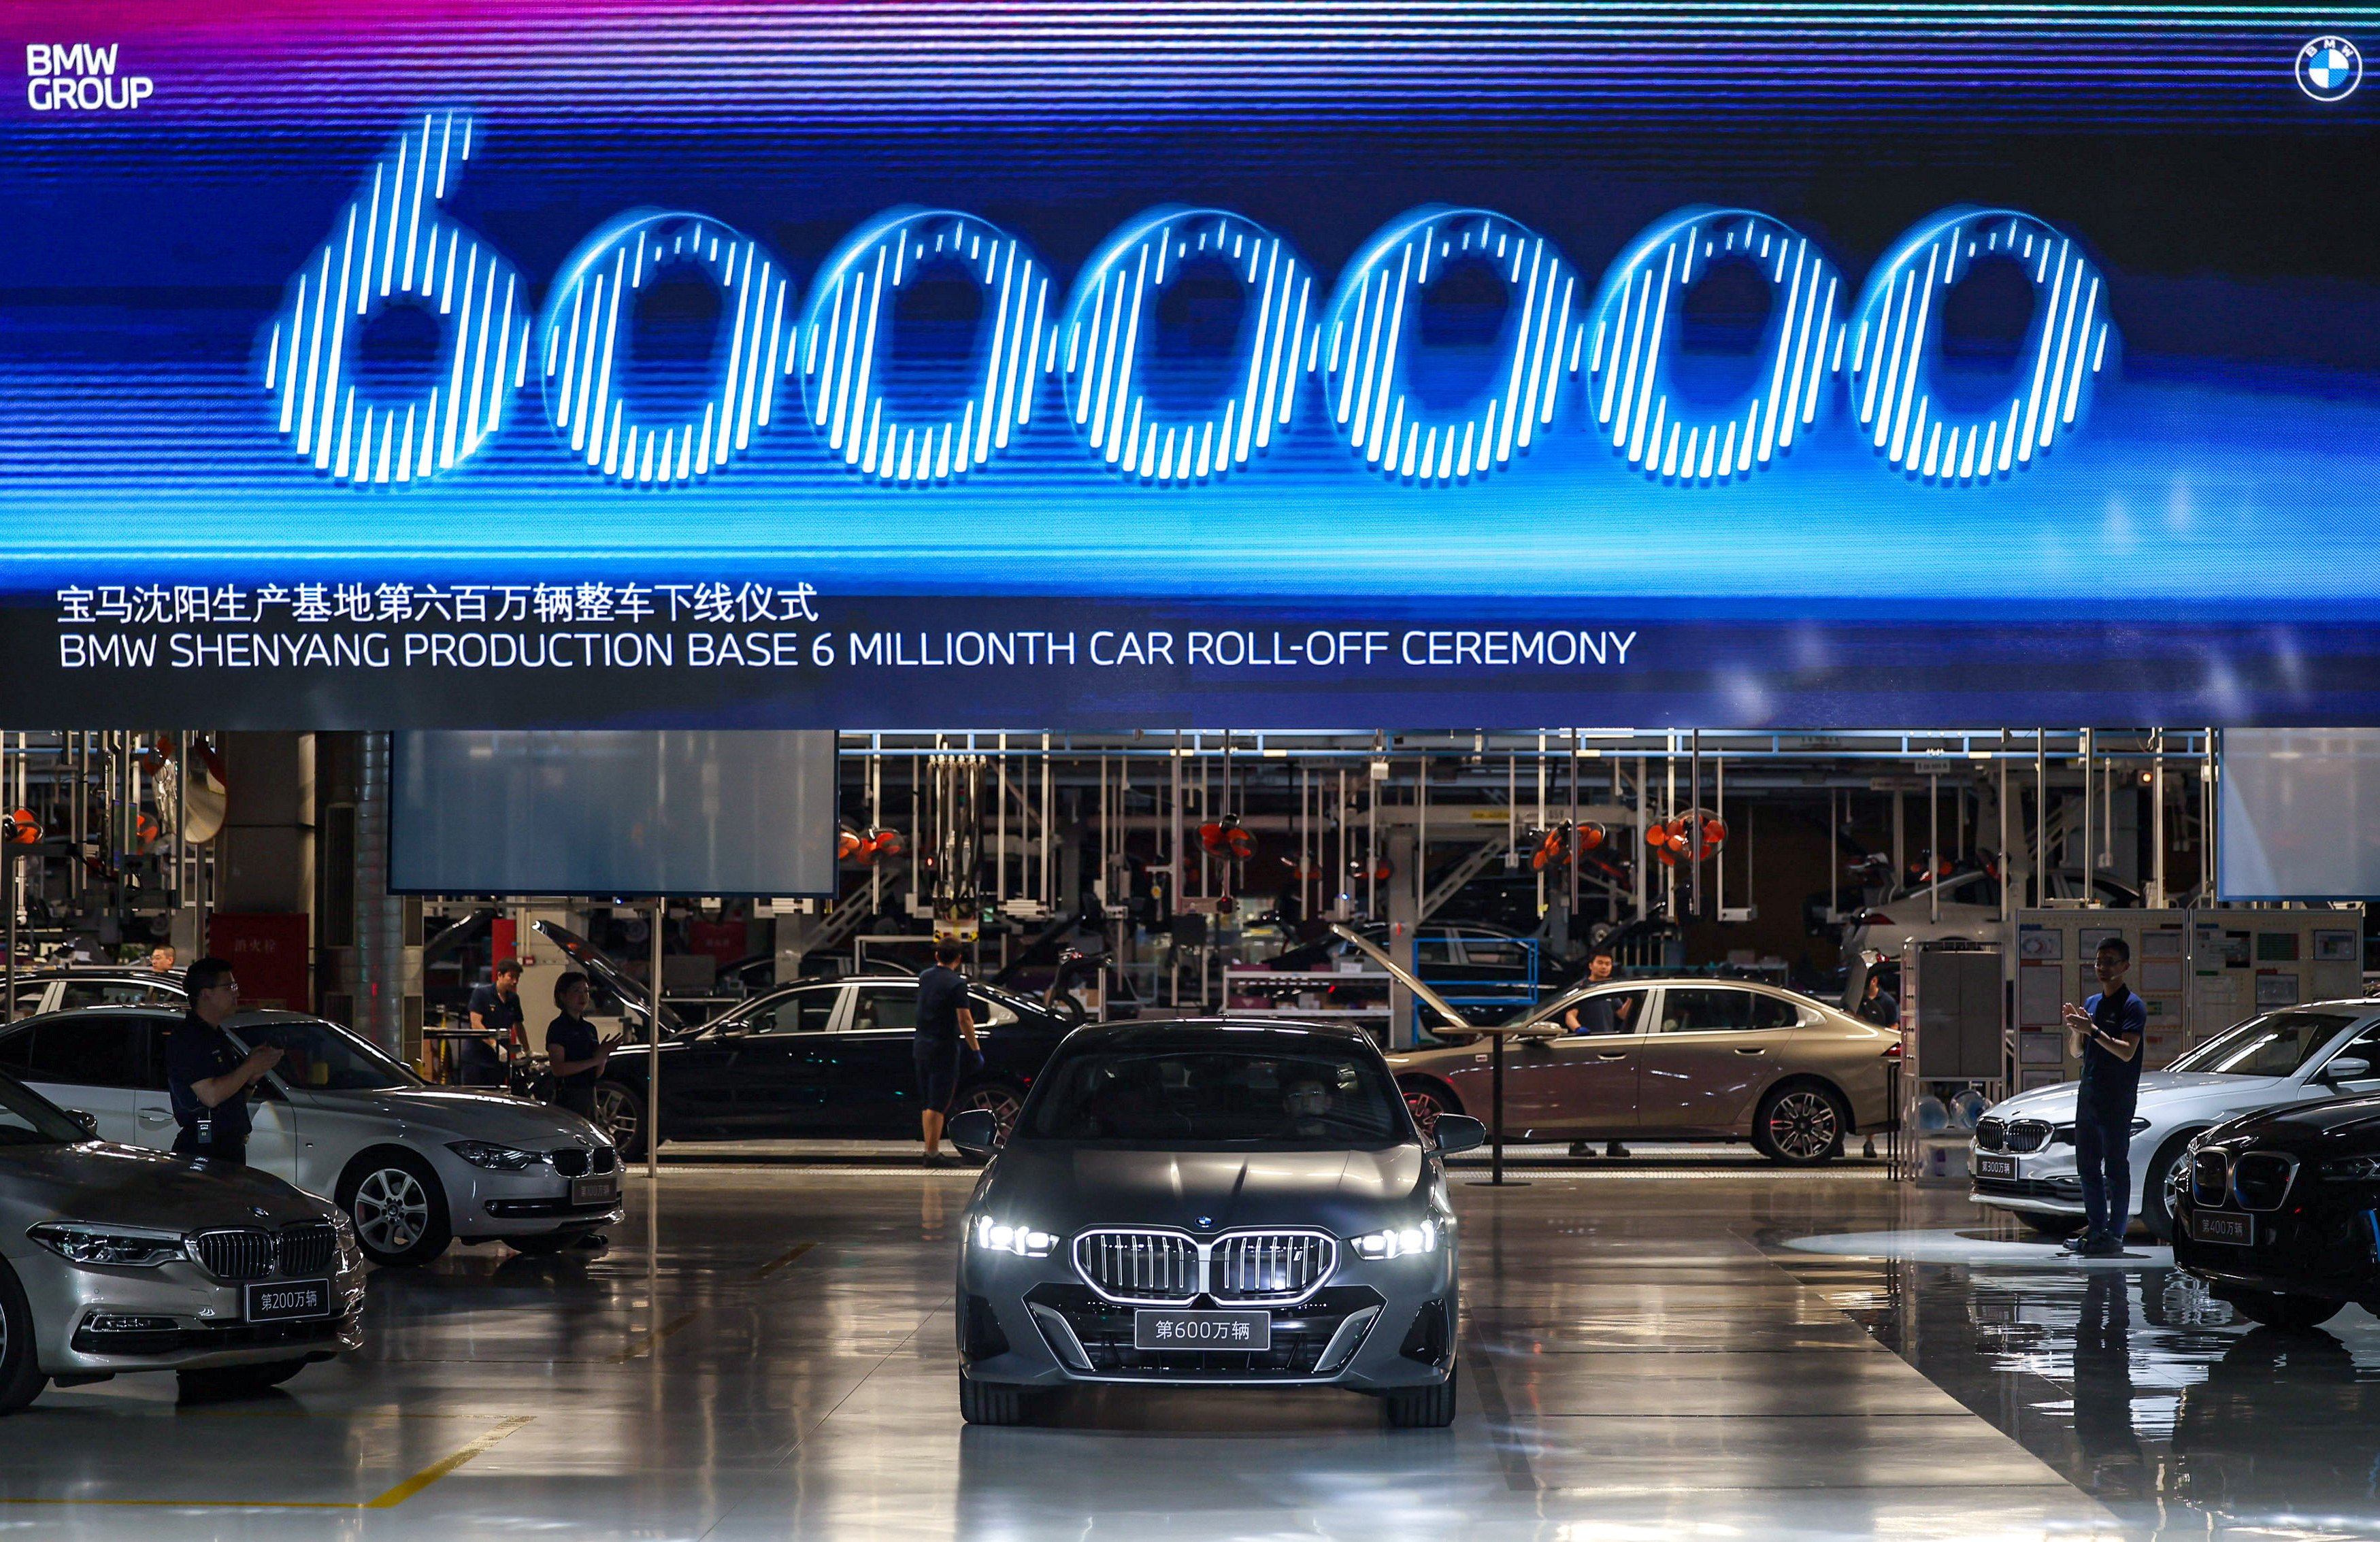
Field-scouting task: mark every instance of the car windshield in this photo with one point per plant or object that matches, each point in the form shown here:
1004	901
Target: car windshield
327	1057
2273	1045
27	1119
1318	1096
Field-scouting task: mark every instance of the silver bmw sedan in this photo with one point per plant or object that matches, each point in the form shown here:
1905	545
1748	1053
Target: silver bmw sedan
1211	1204
115	1260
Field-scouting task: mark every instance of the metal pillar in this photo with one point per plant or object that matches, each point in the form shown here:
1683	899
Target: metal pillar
653	1048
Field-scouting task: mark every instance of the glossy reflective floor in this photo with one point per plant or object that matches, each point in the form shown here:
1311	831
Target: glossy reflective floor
1673	1351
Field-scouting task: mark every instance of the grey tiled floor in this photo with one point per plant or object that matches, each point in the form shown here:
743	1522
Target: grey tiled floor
767	1353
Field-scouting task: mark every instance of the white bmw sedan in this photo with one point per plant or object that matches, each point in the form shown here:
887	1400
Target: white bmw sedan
414	1166
2024	1160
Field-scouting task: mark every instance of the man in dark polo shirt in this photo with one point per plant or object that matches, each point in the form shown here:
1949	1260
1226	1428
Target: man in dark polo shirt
496	1022
2106	1031
1614	1012
206	1076
944	1021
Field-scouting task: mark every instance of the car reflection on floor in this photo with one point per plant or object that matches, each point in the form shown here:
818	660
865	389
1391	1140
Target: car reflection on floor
2131	1381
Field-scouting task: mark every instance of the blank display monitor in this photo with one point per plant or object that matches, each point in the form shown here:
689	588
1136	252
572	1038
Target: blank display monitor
2300	814
613	813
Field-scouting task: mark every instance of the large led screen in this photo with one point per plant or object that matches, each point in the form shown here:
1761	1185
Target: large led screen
525	812
2300	816
657	364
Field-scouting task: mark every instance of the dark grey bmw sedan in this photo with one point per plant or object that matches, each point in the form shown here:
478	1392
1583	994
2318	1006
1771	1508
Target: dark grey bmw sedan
1211	1204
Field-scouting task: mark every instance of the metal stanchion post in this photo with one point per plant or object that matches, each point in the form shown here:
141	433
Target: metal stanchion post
1496	1078
1496	1117
654	1052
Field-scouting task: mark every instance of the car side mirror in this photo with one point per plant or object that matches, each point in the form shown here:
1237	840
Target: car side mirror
2347	1068
975	1130
88	1121
1457	1132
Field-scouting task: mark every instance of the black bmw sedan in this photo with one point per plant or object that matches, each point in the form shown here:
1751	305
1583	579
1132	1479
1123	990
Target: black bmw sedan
820	1058
1211	1204
2279	1212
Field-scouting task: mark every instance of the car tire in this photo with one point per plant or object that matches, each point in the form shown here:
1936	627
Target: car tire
1425	1099
21	1358
398	1207
2155	1214
619	1114
236	1381
544	1243
1423	1407
2055	1226
2290	1314
983	1404
1801	1124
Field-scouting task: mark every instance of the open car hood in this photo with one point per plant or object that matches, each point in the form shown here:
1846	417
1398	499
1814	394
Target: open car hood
633	996
1455	1021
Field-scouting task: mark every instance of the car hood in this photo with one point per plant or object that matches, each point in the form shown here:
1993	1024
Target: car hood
465	1113
2159	1089
2347	1126
1062	1187
127	1185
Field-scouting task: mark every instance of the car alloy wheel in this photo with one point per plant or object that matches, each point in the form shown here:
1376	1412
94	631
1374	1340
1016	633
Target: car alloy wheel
1802	1126
392	1209
616	1114
1424	1106
1000	1102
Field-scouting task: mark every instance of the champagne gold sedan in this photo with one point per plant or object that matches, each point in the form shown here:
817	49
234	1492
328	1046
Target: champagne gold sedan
1669	1060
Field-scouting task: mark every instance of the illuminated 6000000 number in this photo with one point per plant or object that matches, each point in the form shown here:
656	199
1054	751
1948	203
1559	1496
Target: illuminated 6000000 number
1617	346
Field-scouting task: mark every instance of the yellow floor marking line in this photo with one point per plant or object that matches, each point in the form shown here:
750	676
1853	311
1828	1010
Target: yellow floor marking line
389	1500
439	1469
650	1340
782	1260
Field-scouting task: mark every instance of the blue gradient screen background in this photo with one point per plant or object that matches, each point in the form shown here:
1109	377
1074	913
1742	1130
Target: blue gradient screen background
2197	548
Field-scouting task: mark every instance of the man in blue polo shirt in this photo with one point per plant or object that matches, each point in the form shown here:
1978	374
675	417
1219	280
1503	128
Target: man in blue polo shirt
2106	1031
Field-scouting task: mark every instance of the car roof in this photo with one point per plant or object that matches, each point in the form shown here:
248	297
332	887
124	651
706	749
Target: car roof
1165	1032
153	1010
113	1009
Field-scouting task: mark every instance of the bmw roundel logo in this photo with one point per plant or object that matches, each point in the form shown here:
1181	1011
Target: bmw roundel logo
2329	68
1205	1222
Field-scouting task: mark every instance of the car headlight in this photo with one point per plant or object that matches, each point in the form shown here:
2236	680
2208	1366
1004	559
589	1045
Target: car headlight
107	1246
1398	1243
502	1159
2353	1168
995	1236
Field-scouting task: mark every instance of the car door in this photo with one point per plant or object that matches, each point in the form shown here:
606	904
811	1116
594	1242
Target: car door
780	1076
698	1077
871	1075
98	1064
273	1115
1583	1084
1712	1050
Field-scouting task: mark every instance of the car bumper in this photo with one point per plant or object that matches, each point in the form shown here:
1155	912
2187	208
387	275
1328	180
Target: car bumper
2332	1251
91	1322
2050	1183
486	1203
1370	1328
